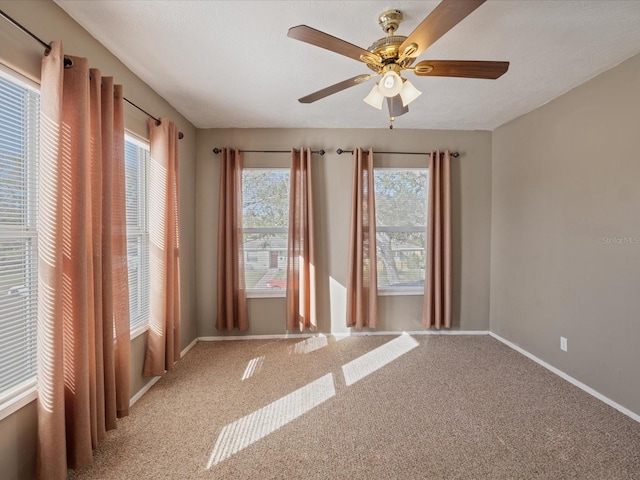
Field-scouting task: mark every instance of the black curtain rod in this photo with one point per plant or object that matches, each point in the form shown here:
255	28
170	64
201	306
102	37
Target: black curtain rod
340	151
158	122
47	49
218	150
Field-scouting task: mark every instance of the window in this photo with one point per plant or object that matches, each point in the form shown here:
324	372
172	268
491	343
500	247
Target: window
401	219
136	161
19	117
265	220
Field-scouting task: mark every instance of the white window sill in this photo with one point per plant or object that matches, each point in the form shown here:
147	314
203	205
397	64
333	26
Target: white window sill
392	292
382	292
27	392
274	293
139	330
18	397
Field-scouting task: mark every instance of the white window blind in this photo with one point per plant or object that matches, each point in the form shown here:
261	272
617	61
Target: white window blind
136	174
19	117
401	219
265	225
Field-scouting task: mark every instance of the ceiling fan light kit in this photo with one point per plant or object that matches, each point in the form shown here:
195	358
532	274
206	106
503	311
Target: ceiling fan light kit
390	55
391	84
375	98
409	93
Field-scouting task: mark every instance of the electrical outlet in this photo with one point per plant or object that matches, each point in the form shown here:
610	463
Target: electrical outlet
563	344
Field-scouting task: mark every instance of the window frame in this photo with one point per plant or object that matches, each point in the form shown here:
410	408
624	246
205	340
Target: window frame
141	230
265	293
386	290
24	392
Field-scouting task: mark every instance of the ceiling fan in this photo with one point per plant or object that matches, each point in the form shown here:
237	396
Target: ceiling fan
391	55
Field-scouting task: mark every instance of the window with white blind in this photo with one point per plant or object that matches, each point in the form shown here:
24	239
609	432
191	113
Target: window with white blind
19	117
265	226
136	159
401	219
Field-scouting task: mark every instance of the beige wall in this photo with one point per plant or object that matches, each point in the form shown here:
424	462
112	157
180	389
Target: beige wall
17	444
565	241
471	204
49	22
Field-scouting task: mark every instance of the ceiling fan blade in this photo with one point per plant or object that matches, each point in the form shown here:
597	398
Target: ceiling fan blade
324	40
338	87
461	68
395	106
443	18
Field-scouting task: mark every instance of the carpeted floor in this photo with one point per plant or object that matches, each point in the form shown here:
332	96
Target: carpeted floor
376	407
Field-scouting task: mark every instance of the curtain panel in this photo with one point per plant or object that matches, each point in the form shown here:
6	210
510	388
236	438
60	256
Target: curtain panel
301	276
362	281
83	309
436	310
163	340
231	291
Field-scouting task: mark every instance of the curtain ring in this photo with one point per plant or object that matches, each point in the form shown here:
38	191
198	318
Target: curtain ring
68	62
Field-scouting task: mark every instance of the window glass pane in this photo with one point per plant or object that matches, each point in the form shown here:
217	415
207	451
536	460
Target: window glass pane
401	217
265	195
136	173
19	117
134	184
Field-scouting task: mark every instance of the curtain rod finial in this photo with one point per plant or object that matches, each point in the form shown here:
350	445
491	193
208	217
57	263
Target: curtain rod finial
321	152
216	150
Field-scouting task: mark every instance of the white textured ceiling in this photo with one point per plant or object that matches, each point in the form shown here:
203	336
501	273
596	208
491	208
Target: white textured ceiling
230	63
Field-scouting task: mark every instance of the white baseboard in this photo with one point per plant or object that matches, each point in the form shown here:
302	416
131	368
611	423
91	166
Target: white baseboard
416	332
143	390
340	334
188	347
569	379
257	337
154	380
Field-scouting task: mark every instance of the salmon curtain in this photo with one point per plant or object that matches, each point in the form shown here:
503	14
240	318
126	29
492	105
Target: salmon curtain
437	283
301	276
232	301
362	282
83	302
163	341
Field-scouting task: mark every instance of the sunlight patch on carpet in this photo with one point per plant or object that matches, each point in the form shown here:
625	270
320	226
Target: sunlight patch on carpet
310	344
253	367
376	359
249	429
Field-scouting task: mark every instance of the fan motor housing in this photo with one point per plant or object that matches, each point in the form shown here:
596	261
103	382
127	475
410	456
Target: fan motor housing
387	49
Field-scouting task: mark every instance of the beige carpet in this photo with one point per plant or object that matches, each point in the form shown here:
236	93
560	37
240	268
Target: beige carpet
378	407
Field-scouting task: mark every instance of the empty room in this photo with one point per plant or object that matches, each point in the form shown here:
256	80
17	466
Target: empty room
319	239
